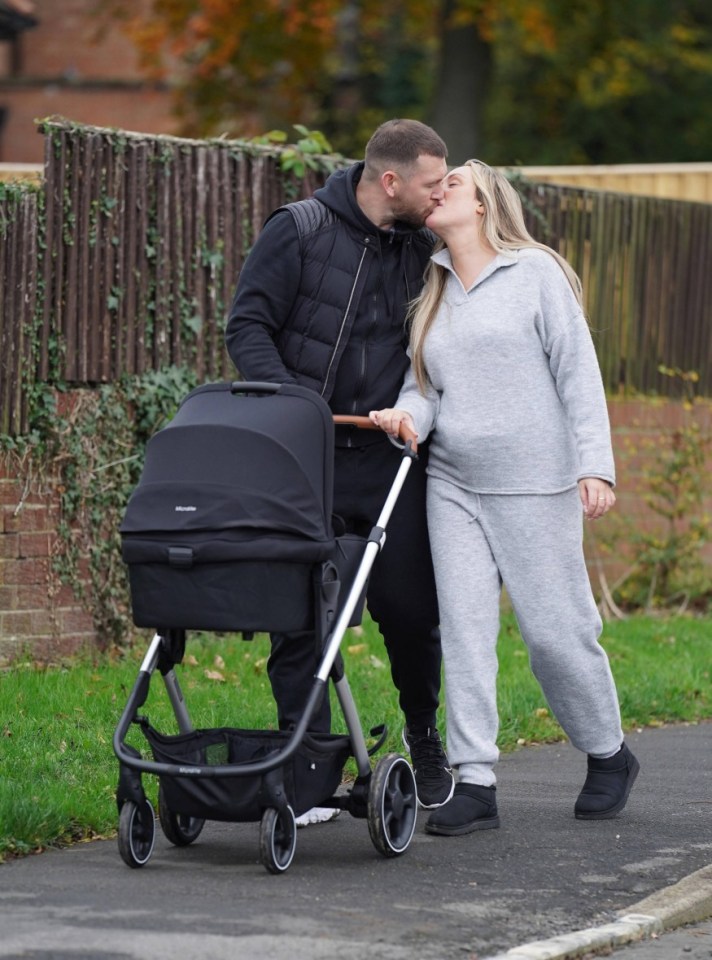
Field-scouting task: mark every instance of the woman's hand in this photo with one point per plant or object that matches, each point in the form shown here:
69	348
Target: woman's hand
390	420
597	497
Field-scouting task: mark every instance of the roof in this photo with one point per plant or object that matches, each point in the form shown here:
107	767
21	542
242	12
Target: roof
16	16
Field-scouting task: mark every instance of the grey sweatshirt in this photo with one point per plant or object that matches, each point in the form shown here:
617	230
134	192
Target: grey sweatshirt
515	401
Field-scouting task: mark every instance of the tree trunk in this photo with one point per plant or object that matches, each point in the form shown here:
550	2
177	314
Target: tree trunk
462	83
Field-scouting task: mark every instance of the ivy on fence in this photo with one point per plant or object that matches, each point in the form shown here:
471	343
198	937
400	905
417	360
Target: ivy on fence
136	246
117	271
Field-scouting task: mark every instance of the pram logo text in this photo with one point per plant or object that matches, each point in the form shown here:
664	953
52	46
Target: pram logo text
197	770
186	509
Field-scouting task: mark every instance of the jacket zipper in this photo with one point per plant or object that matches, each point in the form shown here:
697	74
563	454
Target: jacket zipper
364	348
343	322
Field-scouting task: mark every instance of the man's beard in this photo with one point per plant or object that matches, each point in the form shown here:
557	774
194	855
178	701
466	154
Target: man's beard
412	218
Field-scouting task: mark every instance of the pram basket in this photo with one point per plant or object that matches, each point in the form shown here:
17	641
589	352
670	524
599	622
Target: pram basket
230	529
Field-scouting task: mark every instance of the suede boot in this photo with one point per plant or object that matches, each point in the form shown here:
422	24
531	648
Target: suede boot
608	783
472	807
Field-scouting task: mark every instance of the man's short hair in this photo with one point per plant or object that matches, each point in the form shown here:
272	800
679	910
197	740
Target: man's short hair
399	143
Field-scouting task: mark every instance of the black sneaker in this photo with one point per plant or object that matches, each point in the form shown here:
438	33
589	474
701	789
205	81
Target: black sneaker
433	777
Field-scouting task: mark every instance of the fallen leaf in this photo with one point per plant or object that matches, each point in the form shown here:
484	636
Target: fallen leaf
214	675
357	648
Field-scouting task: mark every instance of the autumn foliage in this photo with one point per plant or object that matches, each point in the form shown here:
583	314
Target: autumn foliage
585	80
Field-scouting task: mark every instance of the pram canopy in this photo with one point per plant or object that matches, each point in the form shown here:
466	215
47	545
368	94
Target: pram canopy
230	524
236	475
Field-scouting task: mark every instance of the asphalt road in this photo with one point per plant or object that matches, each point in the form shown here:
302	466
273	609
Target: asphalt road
542	876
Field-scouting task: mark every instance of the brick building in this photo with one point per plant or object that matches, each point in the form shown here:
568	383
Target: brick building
55	60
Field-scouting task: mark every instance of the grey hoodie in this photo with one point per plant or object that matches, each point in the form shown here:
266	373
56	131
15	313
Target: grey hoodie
515	402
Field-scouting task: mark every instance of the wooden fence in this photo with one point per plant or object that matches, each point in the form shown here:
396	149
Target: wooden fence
147	237
645	264
674	181
127	259
20	215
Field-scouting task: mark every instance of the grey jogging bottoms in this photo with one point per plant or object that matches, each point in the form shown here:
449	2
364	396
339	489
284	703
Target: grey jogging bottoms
532	545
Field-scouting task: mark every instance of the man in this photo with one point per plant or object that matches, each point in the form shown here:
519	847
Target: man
321	301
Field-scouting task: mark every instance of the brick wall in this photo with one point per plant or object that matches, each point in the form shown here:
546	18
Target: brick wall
72	65
40	616
140	109
640	432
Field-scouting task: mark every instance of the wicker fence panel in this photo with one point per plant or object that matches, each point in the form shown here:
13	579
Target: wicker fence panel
147	237
19	298
173	220
645	265
128	261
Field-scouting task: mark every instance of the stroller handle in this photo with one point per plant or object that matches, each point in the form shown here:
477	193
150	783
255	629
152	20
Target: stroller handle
363	423
244	386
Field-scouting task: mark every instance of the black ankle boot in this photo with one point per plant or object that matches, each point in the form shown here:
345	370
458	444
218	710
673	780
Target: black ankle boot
607	786
472	807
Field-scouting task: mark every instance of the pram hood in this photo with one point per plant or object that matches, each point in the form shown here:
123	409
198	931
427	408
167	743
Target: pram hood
236	475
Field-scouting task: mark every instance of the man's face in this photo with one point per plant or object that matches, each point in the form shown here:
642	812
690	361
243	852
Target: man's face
418	190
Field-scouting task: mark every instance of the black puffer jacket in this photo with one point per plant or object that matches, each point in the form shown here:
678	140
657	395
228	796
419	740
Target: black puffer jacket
324	305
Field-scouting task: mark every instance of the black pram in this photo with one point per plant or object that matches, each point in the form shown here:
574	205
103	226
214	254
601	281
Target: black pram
230	529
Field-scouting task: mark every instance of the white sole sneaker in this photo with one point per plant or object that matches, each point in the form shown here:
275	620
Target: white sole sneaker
317	815
440	803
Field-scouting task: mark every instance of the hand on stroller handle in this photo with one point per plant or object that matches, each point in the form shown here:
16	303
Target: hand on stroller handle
364	423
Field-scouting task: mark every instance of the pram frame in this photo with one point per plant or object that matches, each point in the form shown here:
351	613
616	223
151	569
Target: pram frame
132	765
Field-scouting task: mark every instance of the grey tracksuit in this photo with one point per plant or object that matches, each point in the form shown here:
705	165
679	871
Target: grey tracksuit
518	415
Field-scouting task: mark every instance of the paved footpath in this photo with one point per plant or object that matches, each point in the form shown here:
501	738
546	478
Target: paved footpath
544	886
693	942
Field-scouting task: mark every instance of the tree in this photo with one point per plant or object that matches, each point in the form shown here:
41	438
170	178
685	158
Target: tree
517	81
463	79
609	82
239	67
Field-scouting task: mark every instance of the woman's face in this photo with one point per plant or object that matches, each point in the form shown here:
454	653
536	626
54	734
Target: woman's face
459	204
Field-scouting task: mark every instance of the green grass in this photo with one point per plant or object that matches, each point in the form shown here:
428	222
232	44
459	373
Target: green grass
58	772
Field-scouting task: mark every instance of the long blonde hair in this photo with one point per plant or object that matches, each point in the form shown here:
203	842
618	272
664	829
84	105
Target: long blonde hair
503	228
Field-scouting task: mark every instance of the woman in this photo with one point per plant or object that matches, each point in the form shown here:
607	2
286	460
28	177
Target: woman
505	376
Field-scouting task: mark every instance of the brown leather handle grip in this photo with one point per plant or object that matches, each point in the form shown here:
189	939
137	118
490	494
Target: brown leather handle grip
363	423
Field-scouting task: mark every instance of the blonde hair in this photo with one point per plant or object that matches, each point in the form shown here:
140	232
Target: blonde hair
503	228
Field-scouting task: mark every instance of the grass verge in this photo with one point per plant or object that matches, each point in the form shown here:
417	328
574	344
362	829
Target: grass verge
58	772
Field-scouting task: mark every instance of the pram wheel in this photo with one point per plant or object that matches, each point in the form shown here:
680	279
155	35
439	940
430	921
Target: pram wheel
392	805
180	828
278	839
137	832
